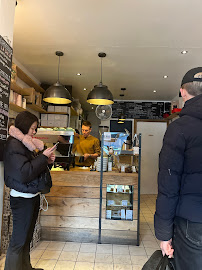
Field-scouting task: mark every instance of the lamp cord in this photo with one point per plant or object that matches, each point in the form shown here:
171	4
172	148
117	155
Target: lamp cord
101	71
58	68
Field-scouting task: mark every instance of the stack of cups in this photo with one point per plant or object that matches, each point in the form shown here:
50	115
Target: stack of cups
98	165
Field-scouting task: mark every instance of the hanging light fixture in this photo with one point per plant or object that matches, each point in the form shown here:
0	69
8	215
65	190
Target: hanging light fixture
122	116
100	94
57	93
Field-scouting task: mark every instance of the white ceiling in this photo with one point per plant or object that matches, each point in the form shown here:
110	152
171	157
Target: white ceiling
143	40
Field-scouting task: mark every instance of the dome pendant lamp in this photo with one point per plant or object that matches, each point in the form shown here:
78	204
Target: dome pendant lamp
100	94
57	93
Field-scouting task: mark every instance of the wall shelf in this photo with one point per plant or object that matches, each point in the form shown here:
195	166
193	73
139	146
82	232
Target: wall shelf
16	108
173	115
36	108
25	78
57	113
16	88
73	112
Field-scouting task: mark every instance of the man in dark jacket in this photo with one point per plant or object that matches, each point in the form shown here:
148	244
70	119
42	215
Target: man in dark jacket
178	217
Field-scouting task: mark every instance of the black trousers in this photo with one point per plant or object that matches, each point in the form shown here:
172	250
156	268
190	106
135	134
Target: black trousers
187	243
25	213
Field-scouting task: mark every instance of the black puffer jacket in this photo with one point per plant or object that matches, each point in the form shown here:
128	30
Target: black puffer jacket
180	171
21	168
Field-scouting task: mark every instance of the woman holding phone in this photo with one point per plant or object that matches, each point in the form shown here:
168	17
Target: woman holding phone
22	167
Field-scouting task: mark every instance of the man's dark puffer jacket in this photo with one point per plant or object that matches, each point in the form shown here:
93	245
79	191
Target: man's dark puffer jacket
180	171
21	169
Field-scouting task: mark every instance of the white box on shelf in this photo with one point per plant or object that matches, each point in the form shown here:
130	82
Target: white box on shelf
51	117
64	117
51	123
110	202
63	123
51	108
124	202
123	214
44	123
44	116
129	214
108	214
58	108
135	150
64	109
57	117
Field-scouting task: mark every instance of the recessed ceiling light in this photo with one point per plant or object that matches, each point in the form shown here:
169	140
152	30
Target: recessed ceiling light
154	91
78	74
184	52
84	89
165	76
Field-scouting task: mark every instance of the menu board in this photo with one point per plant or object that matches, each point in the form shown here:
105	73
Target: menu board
6	53
139	110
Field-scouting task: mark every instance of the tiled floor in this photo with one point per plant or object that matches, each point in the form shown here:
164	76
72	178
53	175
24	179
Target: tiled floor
82	256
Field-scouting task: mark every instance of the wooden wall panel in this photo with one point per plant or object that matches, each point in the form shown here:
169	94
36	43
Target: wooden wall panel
80	207
69	234
70	222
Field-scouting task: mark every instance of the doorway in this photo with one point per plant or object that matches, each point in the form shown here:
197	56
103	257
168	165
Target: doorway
152	139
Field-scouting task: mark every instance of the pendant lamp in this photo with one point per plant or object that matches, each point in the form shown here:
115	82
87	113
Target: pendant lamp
122	116
100	94
57	93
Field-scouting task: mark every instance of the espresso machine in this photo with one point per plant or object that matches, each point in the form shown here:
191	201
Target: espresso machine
63	152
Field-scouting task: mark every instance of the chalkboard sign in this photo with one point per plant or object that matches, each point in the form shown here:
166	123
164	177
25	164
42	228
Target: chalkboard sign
6	53
139	110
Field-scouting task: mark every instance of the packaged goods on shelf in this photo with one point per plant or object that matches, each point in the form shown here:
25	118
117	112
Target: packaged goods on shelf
11	96
24	103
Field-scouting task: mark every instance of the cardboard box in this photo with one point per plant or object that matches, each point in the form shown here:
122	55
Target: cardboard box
44	117
31	97
51	108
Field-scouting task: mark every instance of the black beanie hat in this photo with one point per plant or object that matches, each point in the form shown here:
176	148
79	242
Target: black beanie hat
190	76
24	120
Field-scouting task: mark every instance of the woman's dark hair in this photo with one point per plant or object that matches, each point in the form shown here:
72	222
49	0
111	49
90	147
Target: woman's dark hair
24	120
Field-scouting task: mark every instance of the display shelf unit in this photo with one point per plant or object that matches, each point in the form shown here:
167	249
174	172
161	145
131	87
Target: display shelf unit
121	208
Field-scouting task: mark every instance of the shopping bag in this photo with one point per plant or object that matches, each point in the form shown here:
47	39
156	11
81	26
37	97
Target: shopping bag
158	262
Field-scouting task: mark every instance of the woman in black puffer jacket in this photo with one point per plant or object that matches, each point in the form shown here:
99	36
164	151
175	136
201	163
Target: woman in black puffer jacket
22	168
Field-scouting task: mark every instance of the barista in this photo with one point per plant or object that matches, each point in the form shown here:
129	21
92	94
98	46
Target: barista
86	147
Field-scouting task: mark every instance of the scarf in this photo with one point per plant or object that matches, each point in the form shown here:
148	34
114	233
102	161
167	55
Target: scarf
32	144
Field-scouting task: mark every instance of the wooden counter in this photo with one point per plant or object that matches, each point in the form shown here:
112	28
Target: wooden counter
73	213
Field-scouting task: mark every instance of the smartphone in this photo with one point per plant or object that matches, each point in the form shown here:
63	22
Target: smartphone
55	146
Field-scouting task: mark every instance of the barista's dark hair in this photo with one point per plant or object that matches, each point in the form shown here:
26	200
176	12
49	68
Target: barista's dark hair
86	123
24	120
